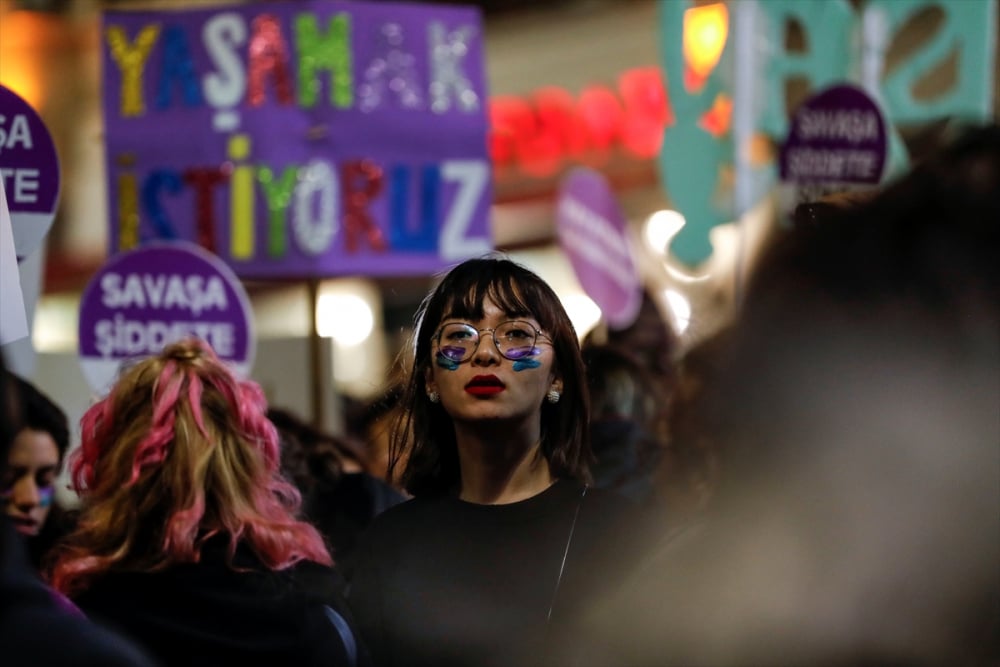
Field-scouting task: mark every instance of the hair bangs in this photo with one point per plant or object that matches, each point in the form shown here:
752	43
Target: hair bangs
511	292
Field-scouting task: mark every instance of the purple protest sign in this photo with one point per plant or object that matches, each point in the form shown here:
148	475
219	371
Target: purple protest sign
591	230
300	139
836	136
143	299
29	167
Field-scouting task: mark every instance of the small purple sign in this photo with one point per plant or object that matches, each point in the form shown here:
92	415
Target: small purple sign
297	139
836	136
143	299
29	167
592	231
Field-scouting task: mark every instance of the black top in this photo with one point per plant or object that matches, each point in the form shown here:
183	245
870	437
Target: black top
445	582
341	509
211	613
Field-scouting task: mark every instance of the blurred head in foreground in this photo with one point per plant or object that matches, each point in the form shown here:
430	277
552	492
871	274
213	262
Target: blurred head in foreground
855	519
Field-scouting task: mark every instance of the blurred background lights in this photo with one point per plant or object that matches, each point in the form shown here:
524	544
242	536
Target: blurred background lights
582	311
20	71
346	318
56	323
660	227
349	311
705	30
680	309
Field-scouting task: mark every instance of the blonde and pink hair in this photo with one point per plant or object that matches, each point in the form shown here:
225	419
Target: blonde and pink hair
179	451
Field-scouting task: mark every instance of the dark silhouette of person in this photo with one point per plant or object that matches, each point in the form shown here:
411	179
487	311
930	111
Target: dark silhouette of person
854	518
35	629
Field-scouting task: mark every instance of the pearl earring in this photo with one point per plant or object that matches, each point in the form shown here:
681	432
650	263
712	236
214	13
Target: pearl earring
433	396
553	396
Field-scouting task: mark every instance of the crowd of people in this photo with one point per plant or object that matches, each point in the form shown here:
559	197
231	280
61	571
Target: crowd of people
817	484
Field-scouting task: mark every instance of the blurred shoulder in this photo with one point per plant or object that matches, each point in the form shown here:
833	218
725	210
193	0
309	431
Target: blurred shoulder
609	506
614	526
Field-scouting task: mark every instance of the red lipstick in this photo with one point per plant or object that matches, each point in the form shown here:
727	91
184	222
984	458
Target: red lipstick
485	385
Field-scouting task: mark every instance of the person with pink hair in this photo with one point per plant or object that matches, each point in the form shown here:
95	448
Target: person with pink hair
188	539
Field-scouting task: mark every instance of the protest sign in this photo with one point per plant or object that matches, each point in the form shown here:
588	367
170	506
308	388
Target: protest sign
144	299
592	231
13	321
29	169
303	139
837	142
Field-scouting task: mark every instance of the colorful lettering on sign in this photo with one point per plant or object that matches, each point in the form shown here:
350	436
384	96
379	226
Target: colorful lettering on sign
305	202
272	66
131	57
286	140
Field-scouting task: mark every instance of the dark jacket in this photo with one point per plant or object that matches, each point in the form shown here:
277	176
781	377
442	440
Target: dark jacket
214	613
35	630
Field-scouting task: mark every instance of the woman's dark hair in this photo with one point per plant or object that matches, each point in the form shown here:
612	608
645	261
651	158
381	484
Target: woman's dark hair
309	454
620	385
424	431
40	413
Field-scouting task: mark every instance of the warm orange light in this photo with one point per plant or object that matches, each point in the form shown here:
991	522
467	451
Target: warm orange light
717	119
705	30
20	70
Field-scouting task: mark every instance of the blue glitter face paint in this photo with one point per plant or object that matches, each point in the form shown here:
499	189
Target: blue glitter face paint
45	495
445	362
525	364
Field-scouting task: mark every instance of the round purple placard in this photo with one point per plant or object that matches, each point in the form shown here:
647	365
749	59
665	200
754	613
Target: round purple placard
592	232
141	300
836	136
29	167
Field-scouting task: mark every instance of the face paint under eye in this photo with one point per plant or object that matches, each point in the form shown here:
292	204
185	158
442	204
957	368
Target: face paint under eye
522	352
45	495
446	362
525	364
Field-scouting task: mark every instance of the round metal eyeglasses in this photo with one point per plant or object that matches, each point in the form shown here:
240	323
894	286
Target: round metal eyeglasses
458	341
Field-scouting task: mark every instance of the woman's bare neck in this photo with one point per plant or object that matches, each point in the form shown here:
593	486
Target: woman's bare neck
500	469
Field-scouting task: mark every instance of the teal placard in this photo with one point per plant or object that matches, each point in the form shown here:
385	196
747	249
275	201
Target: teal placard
698	168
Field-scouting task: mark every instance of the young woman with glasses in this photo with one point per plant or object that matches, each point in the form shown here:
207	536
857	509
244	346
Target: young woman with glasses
503	544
